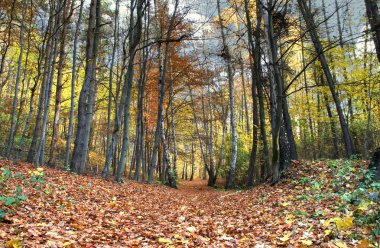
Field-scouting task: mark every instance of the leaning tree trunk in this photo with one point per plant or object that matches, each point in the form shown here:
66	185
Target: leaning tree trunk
372	7
307	15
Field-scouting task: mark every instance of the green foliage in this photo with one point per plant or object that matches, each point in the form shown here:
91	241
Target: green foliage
15	197
10	198
364	195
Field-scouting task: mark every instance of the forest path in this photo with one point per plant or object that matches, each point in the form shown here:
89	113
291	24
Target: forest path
195	186
63	209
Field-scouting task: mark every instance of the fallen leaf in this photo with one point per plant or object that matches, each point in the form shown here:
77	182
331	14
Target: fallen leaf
164	240
13	243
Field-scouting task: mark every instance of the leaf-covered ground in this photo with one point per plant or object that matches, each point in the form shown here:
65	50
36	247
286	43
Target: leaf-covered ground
304	209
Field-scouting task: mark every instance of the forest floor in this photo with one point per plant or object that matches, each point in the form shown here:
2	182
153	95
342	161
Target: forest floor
308	208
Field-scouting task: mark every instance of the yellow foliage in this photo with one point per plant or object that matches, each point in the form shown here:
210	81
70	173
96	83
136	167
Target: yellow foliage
164	240
345	223
13	243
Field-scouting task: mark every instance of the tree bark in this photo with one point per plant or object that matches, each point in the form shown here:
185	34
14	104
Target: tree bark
40	154
161	83
110	81
73	80
231	91
58	92
86	97
17	83
135	36
373	15
322	59
277	118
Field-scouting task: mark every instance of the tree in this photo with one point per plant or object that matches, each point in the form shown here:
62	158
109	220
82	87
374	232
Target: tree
73	80
227	55
15	97
326	69
372	8
134	38
86	97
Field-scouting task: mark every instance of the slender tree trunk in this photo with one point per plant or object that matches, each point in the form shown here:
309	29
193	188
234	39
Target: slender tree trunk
231	174
32	93
162	78
4	50
73	80
277	78
195	119
43	56
373	15
110	82
175	150
135	36
22	99
192	162
140	107
247	126
40	154
58	92
266	166
87	94
322	59
17	83
307	99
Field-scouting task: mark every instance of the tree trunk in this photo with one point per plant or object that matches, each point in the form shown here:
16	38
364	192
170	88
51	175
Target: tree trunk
43	55
277	98
140	108
322	59
58	92
171	101
86	97
373	15
192	162
162	78
73	80
135	36
231	174
374	166
40	154
17	83
110	82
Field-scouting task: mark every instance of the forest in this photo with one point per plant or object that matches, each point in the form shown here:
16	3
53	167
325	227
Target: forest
173	123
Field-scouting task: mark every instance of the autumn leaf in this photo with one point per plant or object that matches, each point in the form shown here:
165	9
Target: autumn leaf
164	240
191	229
285	237
364	243
341	244
344	223
13	243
